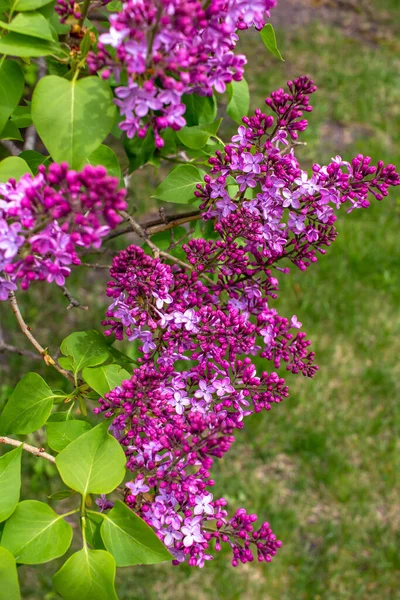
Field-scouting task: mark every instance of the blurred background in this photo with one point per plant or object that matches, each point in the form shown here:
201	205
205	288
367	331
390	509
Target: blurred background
323	467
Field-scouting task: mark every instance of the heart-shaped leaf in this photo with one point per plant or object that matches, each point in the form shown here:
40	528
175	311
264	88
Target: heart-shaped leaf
200	110
30	23
105	378
17	44
10	482
34	159
9	589
179	185
11	132
13	166
11	89
197	137
130	540
61	434
239	100
94	463
35	534
87	575
72	117
86	348
23	5
29	406
103	155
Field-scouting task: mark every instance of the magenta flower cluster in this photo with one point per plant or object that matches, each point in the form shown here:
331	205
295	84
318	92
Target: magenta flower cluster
67	8
200	329
170	48
45	218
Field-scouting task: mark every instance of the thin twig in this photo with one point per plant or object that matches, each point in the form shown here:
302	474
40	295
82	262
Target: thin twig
73	302
156	225
8	348
27	332
155	249
31	449
141	233
4	347
11	147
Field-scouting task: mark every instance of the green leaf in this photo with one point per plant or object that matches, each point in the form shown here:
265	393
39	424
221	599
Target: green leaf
29	406
269	38
196	137
10	482
130	540
87	575
11	132
72	117
239	100
56	68
66	362
169	137
121	359
23	5
22	116
87	349
34	159
16	44
13	166
4	6
35	534
179	185
139	150
60	434
11	89
94	522
105	378
103	155
9	588
94	463
61	495
200	110
30	23
114	6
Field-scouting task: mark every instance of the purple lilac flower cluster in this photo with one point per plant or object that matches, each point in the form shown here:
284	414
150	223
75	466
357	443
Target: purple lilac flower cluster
201	328
67	8
170	48
45	218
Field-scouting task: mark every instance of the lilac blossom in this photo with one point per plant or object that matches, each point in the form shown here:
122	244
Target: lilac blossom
177	47
49	217
189	397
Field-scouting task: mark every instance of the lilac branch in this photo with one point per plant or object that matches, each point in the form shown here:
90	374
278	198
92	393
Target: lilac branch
73	302
28	448
44	353
11	147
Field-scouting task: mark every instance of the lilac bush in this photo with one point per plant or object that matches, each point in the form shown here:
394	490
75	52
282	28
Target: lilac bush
136	439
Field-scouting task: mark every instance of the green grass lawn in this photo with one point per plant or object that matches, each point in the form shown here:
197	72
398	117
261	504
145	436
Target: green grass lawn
323	466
